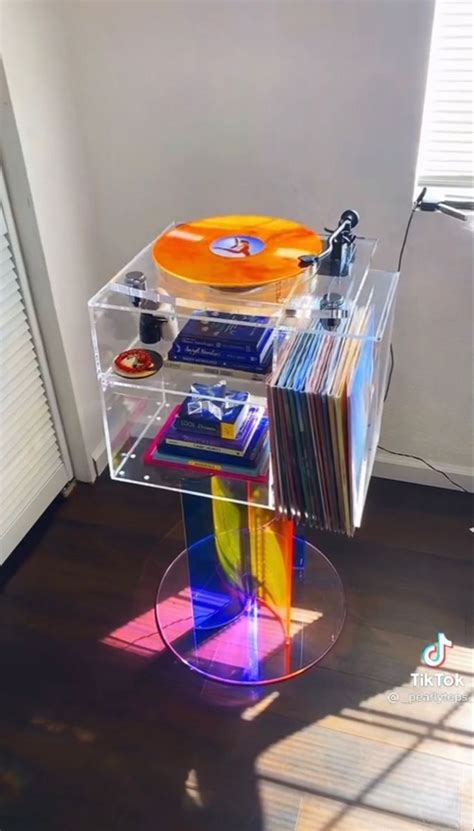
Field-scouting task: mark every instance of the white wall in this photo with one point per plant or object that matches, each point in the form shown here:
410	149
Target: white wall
37	274
429	411
54	209
297	109
291	108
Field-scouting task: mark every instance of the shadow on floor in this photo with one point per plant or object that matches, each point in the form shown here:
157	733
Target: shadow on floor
102	737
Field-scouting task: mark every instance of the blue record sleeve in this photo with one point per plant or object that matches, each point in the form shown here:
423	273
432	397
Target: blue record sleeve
360	392
305	470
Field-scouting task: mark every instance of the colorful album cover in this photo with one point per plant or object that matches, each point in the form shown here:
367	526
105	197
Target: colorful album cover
359	401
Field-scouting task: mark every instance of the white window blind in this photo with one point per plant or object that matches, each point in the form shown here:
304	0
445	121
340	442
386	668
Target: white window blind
446	148
33	468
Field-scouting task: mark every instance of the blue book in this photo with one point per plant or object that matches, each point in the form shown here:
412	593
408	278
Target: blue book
203	354
228	332
250	460
257	473
230	363
214	444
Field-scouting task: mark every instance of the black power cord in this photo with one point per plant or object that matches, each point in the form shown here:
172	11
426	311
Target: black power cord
416	205
428	464
390	373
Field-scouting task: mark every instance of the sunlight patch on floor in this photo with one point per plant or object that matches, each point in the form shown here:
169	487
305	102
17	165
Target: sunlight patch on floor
191	787
251	713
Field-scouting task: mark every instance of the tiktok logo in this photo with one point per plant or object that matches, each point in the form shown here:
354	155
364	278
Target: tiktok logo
434	654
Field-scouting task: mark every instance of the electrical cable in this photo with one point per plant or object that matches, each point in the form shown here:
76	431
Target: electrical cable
416	205
428	464
390	373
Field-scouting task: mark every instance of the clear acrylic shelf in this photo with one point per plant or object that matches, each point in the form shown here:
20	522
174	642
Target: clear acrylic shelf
135	409
131	423
287	300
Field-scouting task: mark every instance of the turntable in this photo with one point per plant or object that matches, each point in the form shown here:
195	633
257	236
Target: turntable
245	252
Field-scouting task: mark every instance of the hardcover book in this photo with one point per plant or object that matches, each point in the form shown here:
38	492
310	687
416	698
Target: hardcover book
257	472
246	374
249	459
205	353
225	330
214	444
190	357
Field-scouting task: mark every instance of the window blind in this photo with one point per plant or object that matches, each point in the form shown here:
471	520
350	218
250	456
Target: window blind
446	148
32	467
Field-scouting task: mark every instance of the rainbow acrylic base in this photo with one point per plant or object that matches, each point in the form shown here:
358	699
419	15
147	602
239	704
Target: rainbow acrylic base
250	606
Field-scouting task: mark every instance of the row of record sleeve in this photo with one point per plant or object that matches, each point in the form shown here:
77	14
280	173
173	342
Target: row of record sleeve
321	404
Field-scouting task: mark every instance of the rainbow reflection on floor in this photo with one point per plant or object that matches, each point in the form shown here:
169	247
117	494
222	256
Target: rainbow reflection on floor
138	636
254	644
226	631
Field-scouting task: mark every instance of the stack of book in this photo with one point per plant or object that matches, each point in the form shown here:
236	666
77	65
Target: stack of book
221	339
214	435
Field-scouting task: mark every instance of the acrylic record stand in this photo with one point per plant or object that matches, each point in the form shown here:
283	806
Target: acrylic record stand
248	601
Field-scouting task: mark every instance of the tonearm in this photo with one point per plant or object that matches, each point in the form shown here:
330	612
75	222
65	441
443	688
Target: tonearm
340	247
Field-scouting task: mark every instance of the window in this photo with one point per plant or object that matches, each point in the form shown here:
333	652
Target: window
446	150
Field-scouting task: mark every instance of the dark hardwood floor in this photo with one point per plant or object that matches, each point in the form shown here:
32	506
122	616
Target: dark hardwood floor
102	729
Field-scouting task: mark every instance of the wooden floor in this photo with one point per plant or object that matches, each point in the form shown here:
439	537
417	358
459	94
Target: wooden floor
102	730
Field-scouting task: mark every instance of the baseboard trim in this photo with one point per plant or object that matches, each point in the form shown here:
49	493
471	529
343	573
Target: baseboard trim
99	457
411	470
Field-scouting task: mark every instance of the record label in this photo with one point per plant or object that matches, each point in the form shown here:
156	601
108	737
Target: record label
240	247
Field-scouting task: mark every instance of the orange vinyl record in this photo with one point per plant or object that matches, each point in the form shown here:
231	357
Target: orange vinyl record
235	251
